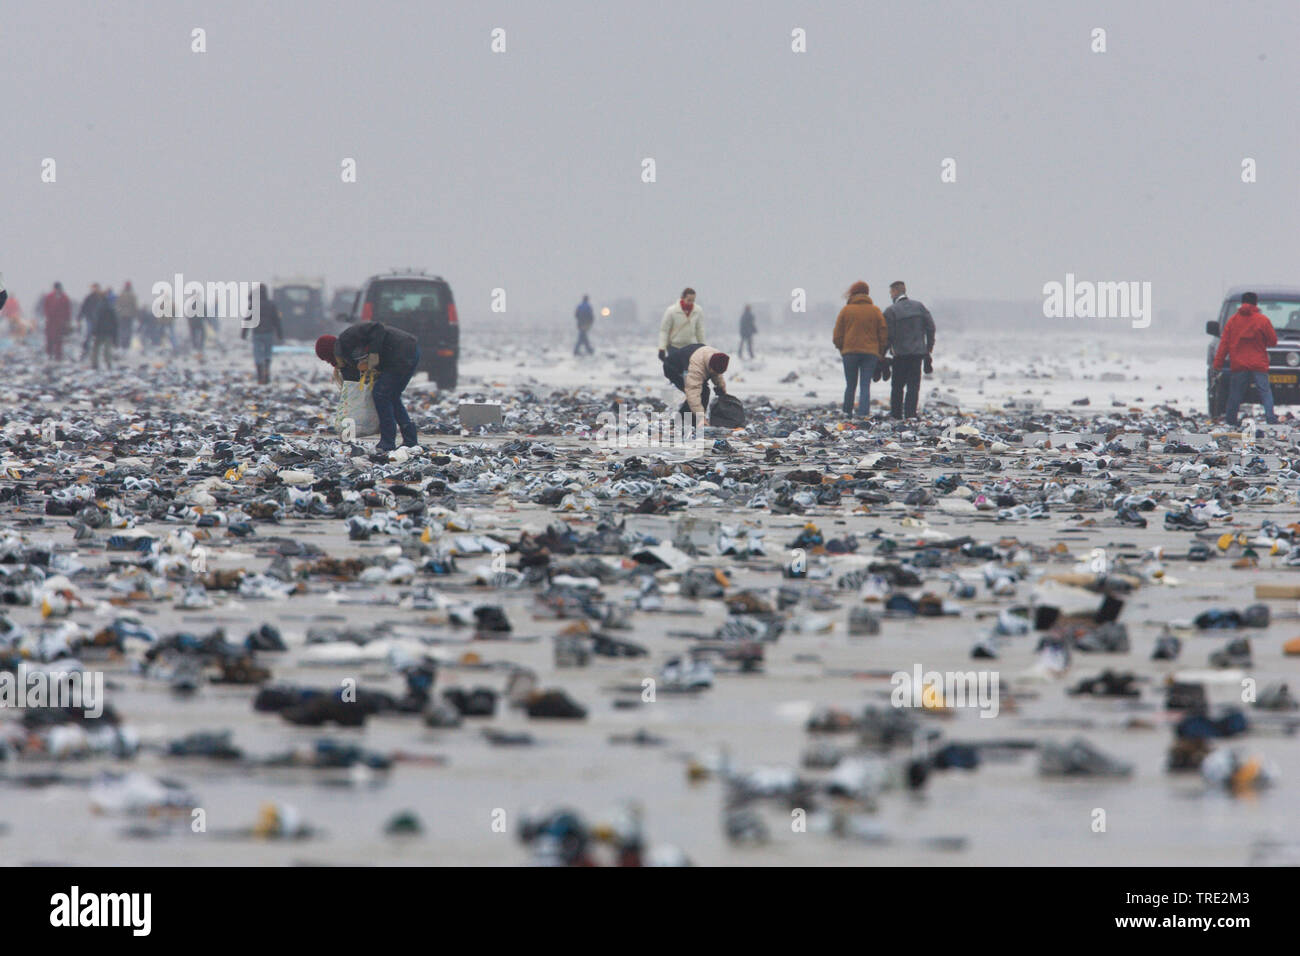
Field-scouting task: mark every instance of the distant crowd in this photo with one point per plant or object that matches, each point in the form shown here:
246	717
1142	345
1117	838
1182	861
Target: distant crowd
105	321
873	345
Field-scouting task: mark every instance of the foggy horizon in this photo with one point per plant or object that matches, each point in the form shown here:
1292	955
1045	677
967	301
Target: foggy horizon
522	170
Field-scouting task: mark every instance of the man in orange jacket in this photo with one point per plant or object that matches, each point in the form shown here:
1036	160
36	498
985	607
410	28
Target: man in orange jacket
1244	342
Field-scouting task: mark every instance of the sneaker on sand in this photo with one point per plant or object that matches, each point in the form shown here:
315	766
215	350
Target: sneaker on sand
1078	758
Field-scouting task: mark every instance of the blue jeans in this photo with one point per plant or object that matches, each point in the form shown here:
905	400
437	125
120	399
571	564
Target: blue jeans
262	346
389	385
1237	382
858	369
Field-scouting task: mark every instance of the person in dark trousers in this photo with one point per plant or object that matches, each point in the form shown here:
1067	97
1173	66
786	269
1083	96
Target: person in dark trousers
691	368
911	339
861	335
747	329
58	317
585	318
104	332
198	334
86	316
265	334
394	355
126	307
1244	342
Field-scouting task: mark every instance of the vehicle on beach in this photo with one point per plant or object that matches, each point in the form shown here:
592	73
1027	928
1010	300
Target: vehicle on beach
342	299
302	307
422	305
1282	306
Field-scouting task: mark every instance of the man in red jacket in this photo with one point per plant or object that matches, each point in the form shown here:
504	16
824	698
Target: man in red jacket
1244	342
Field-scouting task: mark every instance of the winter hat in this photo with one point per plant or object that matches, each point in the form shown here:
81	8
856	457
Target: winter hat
718	362
325	348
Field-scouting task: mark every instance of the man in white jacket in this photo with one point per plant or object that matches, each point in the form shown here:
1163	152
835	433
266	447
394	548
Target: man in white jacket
683	325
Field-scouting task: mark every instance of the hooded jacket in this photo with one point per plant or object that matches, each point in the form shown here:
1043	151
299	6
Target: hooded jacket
861	328
395	348
1245	341
678	329
58	312
911	327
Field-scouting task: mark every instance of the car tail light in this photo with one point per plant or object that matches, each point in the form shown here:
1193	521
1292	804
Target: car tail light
368	312
452	318
445	353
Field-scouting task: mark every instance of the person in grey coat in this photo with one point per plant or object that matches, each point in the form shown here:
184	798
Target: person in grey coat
911	340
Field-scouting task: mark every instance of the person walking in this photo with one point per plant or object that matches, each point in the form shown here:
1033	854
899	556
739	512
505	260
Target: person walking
682	325
103	332
1244	343
586	318
748	328
394	355
910	329
265	334
862	336
86	316
125	306
58	318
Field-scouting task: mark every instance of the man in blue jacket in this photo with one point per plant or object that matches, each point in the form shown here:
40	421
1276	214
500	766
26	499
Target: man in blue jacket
585	318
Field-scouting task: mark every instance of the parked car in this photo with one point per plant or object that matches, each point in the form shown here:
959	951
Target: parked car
342	300
302	307
422	305
1282	307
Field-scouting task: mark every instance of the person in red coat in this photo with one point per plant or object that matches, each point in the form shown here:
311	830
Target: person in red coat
1244	342
58	318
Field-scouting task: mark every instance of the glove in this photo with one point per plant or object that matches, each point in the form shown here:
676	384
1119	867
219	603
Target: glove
880	370
887	369
662	355
928	364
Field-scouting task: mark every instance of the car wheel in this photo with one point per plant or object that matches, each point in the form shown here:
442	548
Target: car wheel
444	373
1216	395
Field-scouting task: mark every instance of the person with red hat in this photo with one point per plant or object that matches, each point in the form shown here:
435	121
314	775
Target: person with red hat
394	355
691	368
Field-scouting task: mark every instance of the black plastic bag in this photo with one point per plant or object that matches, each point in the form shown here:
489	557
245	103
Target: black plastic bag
727	412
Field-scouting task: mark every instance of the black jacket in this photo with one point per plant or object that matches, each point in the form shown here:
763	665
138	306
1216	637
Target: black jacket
105	320
395	348
677	361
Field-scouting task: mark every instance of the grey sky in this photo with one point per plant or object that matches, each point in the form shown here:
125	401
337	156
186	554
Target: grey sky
522	170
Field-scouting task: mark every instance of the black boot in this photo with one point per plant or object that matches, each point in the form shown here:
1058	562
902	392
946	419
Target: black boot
410	436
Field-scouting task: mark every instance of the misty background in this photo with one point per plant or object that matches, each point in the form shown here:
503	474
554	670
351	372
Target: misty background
775	170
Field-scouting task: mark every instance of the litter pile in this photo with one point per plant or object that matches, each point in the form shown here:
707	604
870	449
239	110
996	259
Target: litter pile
803	622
